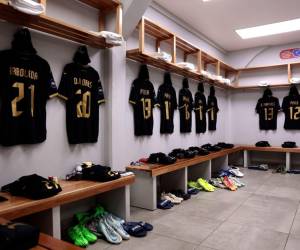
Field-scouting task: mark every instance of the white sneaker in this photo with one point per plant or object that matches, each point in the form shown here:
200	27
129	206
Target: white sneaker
27	6
236	172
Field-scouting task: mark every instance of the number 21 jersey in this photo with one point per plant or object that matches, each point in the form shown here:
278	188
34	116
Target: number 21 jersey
81	88
26	83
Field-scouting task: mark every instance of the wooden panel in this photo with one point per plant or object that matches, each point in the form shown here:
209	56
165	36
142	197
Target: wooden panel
156	30
145	58
263	67
174	49
272	149
289	68
157	169
142	35
52	26
49	242
185	46
17	207
106	5
255	86
119	20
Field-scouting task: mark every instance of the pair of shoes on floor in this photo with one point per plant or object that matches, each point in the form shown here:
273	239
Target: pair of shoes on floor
137	229
217	182
261	167
171	197
181	194
98	224
201	184
235	171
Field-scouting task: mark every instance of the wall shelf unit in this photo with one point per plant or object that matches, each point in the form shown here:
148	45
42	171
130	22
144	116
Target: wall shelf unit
160	34
64	30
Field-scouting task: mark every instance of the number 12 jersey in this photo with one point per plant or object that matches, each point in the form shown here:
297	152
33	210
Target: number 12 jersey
81	88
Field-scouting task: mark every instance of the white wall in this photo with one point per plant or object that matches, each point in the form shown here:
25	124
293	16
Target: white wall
244	126
55	156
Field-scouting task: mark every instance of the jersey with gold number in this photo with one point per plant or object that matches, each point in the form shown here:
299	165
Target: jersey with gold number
267	108
81	88
212	112
26	83
200	109
167	102
185	110
142	97
291	109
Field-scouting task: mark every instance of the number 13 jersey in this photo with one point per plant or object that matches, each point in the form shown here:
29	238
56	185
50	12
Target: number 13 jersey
26	83
81	88
267	107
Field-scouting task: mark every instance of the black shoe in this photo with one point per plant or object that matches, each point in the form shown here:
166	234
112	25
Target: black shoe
262	144
161	158
225	145
289	144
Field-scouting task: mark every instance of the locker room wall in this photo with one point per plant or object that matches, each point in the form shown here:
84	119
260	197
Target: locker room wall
55	156
244	122
137	147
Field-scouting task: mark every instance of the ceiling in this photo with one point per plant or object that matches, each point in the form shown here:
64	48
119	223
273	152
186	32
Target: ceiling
218	19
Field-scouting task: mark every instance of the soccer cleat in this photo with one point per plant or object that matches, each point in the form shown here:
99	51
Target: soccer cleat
110	234
77	236
237	182
117	226
217	182
195	185
236	172
229	184
88	235
206	186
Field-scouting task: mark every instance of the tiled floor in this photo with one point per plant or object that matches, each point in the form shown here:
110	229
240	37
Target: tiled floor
265	215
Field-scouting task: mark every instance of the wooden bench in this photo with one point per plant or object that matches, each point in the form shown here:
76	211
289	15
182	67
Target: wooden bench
49	243
144	190
118	202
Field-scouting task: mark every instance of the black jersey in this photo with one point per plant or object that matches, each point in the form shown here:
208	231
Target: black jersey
212	110
291	109
166	100
81	88
142	97
267	107
26	83
200	108
185	108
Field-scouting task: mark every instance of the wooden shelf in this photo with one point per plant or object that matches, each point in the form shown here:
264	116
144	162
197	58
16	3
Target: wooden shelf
255	86
143	57
56	27
105	5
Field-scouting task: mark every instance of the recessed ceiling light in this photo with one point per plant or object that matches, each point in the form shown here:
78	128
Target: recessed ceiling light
206	0
270	29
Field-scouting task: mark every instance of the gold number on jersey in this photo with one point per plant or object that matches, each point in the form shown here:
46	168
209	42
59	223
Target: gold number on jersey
187	112
83	107
167	106
212	114
146	107
21	94
269	114
295	113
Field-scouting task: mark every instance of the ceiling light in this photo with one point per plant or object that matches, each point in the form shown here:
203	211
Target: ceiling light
206	0
270	29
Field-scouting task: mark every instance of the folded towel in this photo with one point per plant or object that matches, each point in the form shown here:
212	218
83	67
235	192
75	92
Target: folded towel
162	55
186	65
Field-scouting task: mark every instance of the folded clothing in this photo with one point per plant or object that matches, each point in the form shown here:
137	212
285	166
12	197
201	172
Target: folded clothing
186	65
225	145
161	158
27	6
180	153
99	173
289	144
18	236
162	55
33	186
108	35
262	144
211	148
199	151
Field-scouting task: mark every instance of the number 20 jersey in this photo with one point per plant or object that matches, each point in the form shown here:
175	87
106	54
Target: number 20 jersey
26	83
81	88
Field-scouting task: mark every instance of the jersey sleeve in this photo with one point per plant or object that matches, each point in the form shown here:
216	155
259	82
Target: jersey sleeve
100	93
257	108
191	102
159	98
216	105
153	97
284	105
180	100
174	100
133	96
64	89
51	88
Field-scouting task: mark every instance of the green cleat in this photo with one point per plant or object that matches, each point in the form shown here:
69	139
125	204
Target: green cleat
75	234
88	235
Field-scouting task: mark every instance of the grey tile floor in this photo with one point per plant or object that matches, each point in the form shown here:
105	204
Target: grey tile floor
265	215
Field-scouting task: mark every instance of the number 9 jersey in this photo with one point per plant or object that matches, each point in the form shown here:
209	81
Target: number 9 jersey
26	83
81	88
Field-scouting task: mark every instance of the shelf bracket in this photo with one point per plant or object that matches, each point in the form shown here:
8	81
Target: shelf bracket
174	49
142	35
